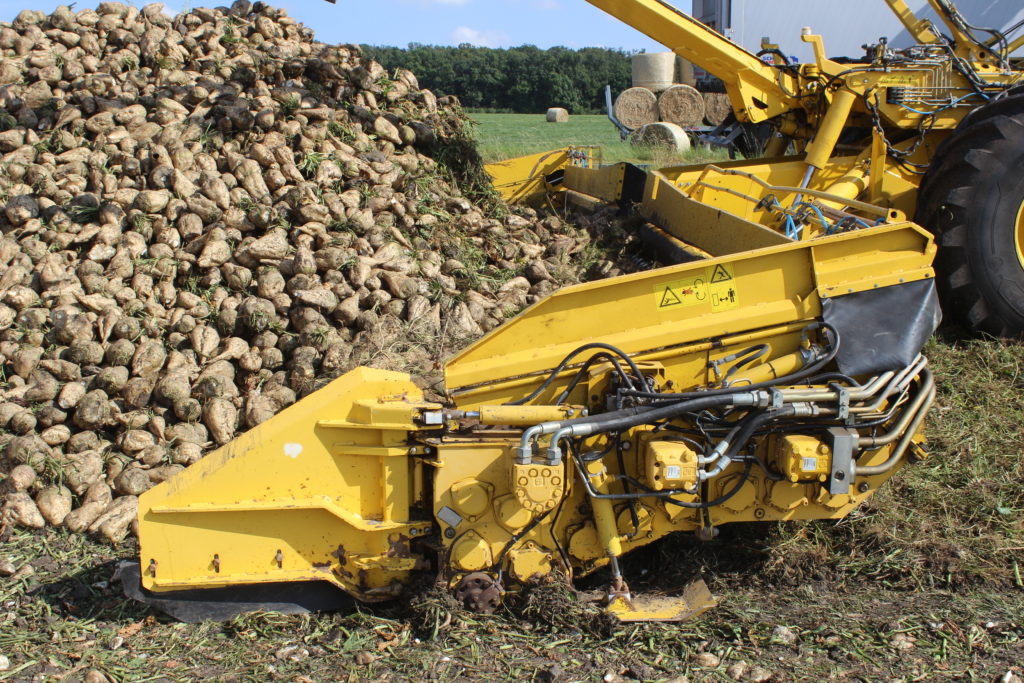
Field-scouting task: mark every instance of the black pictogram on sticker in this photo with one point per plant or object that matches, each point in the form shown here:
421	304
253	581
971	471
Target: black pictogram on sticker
669	298
720	274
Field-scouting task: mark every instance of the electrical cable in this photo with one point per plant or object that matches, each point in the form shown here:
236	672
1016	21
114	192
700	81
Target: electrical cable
497	566
554	522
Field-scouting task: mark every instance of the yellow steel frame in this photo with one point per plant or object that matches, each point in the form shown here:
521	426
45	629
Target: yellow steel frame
511	360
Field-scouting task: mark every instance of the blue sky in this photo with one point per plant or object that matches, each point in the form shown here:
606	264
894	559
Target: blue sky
492	23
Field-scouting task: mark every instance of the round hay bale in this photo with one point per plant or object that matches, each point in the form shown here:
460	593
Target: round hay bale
665	135
681	105
557	115
636	107
716	107
655	71
685	73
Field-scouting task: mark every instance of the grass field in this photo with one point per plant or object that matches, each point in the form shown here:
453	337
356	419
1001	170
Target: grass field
504	136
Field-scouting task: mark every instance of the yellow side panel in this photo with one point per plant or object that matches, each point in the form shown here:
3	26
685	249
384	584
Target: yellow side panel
703	225
647	312
522	180
605	183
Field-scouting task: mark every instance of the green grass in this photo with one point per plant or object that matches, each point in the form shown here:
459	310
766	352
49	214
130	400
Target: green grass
505	136
69	617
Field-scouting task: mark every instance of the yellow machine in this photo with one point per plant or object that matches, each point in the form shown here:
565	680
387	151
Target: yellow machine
770	370
935	131
780	382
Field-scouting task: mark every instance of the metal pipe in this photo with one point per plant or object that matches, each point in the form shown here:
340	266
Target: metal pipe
719	467
863	393
898	384
525	451
901	447
806	181
554	451
623	131
780	190
715	454
927	388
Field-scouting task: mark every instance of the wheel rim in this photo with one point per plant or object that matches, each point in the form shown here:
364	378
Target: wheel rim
1018	235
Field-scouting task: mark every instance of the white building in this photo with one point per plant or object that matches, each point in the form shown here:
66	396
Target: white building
846	25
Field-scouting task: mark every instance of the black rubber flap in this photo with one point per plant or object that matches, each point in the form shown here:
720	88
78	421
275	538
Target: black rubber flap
221	604
634	180
883	329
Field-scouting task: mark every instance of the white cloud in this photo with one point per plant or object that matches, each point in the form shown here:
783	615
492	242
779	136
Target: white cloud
490	38
546	5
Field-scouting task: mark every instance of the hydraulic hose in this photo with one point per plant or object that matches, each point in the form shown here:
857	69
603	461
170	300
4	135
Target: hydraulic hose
625	418
525	450
628	418
565	362
601	355
731	445
738	438
788	379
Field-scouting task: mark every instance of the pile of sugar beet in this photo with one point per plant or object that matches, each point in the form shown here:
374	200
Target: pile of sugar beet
203	219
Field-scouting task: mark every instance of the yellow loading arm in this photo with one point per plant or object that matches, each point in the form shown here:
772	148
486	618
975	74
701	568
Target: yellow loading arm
921	29
758	91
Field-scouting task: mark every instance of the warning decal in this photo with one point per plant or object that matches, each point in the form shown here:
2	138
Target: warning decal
716	287
681	293
669	298
720	274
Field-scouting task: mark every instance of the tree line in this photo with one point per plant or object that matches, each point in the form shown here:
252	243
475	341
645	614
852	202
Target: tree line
523	79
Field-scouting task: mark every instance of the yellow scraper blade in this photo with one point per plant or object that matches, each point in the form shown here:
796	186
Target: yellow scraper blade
695	600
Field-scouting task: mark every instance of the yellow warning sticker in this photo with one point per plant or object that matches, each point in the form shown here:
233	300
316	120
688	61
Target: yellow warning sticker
716	287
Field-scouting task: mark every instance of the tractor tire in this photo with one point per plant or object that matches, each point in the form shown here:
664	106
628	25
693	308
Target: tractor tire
972	199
